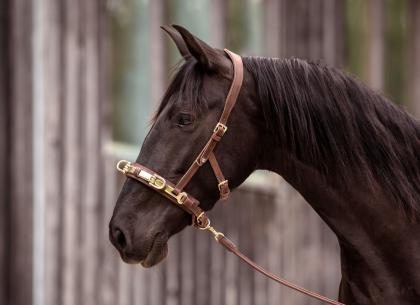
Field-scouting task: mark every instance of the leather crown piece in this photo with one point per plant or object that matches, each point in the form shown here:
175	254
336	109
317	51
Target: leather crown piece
188	203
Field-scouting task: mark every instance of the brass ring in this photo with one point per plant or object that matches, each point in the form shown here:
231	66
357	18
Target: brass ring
124	168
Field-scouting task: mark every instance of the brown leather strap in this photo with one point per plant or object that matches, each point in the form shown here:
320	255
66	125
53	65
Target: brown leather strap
218	132
235	88
182	183
166	188
223	184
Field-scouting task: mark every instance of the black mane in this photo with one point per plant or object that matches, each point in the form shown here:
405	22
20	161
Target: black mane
327	120
339	126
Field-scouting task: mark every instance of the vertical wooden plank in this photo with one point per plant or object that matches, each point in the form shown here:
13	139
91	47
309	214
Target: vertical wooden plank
20	158
71	155
339	35
283	28
140	289
288	219
414	57
158	56
110	263
314	28
218	20
231	262
272	27
333	32
201	263
275	247
245	273
52	90
376	44
258	237
4	152
81	127
329	29
131	284
173	288
124	284
186	276
91	151
156	277
265	211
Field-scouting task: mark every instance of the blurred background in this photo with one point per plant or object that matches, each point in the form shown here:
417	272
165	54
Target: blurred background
79	80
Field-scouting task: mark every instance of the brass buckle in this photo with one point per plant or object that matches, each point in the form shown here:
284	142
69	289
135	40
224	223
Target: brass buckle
157	182
220	126
181	197
221	184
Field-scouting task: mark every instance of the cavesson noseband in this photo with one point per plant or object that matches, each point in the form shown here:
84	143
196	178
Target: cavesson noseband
188	203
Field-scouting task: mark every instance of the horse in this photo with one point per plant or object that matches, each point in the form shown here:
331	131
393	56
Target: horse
350	152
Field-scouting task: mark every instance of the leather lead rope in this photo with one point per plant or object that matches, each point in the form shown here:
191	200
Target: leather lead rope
229	245
189	204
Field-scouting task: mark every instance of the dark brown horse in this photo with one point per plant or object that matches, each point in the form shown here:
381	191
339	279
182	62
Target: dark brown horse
352	154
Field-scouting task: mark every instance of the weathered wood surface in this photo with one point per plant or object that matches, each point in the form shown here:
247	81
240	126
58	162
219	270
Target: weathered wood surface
4	151
19	159
313	30
53	75
376	44
277	228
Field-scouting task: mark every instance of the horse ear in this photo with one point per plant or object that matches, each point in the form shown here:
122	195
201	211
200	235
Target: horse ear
210	58
177	39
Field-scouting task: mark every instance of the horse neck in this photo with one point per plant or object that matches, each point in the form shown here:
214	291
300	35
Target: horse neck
380	248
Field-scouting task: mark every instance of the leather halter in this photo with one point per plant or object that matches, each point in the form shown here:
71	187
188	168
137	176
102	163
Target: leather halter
175	193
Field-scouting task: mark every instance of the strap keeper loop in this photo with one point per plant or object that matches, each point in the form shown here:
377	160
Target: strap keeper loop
224	189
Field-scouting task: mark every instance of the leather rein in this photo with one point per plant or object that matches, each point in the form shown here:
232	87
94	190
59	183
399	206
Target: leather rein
176	194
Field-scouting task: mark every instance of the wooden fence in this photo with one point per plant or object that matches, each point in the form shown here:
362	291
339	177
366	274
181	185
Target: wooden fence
54	129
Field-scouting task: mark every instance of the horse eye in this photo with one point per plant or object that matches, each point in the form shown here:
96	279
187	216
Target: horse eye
184	119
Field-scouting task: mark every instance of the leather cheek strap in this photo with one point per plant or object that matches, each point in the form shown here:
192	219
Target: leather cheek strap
223	184
218	132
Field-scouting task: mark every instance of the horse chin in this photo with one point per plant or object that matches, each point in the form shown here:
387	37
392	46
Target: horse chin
155	256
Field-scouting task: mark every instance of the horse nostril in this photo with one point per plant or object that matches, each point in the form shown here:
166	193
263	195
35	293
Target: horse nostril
120	239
